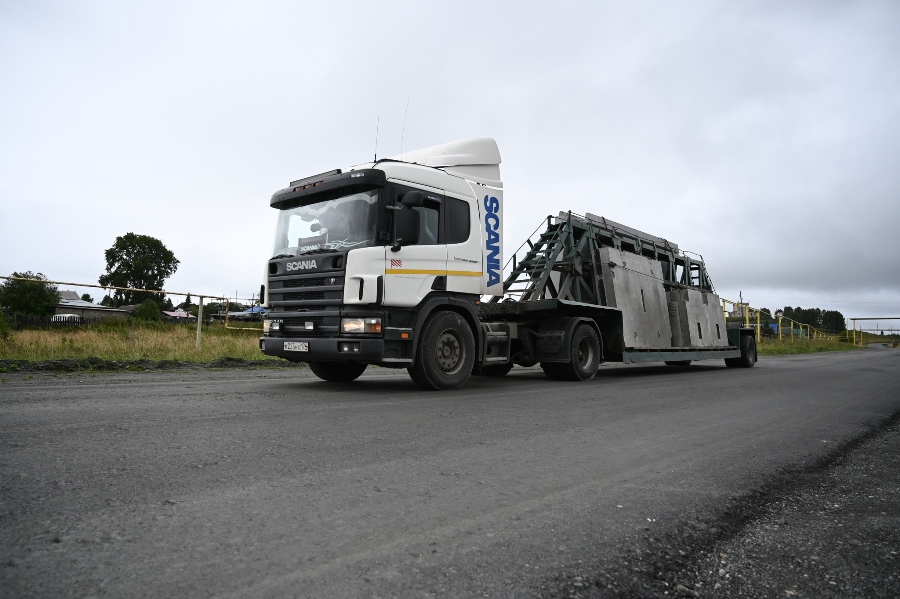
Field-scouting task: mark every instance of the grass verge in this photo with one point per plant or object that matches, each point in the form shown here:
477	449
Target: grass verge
130	341
774	347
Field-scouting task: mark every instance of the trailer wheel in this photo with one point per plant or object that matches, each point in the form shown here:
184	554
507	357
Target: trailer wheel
337	372
585	355
492	369
446	353
748	354
678	363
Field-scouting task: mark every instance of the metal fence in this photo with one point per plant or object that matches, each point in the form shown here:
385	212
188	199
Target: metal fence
785	328
202	319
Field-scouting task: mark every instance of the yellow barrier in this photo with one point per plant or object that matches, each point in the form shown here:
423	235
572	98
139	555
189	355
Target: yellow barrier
862	330
811	333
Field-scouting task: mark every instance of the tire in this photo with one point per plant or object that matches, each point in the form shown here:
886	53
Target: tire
585	355
337	372
492	369
552	371
748	354
446	353
678	363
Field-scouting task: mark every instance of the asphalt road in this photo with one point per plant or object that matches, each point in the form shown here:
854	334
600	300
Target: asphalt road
270	483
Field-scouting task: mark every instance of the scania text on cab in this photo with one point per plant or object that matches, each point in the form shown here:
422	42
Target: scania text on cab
399	263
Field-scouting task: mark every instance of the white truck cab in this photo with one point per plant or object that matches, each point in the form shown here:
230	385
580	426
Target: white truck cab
363	255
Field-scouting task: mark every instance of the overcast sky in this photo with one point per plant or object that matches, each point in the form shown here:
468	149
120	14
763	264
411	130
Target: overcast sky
763	135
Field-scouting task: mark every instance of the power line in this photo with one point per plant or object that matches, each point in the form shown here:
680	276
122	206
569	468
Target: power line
818	301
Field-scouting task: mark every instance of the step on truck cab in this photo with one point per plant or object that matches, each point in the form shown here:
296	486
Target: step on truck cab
399	263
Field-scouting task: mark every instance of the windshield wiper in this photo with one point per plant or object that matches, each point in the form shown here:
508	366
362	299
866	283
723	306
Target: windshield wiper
319	251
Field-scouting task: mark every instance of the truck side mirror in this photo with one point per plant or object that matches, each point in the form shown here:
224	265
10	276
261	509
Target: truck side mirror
406	225
413	199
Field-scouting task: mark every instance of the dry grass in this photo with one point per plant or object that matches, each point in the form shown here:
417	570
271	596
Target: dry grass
123	341
774	347
131	341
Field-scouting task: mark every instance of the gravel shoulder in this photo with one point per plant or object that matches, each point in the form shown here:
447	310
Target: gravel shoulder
831	529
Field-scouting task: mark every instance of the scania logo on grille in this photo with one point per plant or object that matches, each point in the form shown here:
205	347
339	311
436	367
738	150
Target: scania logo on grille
301	265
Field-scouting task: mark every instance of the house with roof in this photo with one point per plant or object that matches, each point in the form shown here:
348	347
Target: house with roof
71	303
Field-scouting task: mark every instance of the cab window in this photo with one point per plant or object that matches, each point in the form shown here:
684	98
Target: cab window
456	218
429	223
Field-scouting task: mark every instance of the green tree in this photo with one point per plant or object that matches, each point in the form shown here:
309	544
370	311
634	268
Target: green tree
810	316
4	328
29	297
86	297
833	321
140	262
148	311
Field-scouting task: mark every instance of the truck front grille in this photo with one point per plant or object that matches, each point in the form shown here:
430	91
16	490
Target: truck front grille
309	295
315	282
312	291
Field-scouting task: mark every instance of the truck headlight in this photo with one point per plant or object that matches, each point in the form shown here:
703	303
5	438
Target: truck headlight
360	325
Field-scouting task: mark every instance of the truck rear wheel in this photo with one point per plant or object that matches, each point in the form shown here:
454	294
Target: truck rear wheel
585	355
445	354
337	372
748	354
552	371
492	369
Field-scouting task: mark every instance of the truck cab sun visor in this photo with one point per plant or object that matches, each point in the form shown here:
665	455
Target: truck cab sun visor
327	185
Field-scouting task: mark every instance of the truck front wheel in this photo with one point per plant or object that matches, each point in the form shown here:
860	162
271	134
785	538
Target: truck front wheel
337	372
445	354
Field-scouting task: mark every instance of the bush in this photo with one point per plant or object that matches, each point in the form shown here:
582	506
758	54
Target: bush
4	328
148	311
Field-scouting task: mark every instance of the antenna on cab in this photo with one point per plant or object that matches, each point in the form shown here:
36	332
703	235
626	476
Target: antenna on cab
377	123
402	133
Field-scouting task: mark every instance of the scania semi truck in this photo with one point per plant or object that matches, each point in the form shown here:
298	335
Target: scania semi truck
399	263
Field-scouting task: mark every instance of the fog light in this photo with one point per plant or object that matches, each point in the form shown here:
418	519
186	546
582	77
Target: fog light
309	326
360	325
348	348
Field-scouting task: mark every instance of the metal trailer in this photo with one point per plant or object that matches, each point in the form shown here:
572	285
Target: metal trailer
591	287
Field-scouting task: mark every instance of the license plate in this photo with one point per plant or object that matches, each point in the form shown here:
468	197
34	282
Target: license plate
296	346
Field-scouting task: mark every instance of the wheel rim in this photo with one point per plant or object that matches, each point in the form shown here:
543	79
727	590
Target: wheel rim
585	354
450	352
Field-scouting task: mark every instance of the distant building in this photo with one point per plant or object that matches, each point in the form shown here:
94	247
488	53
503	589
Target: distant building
177	316
71	303
739	310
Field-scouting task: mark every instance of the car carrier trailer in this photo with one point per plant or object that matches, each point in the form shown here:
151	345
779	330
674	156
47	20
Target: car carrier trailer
399	263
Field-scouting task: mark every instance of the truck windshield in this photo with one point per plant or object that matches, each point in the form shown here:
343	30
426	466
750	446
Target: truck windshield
343	223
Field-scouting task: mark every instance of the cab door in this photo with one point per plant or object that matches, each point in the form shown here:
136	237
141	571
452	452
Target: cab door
411	272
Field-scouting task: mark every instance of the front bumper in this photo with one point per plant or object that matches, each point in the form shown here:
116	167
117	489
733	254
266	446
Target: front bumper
324	349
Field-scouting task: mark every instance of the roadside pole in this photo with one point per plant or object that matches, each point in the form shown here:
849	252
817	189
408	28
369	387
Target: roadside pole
199	320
